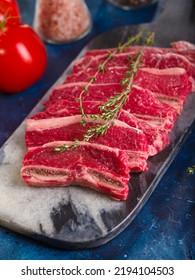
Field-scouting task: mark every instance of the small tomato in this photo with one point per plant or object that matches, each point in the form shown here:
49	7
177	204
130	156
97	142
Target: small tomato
23	58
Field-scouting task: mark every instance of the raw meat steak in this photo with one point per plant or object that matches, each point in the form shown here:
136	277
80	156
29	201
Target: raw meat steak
71	92
90	165
181	55
157	138
180	47
120	59
141	102
170	85
184	46
172	82
151	59
176	46
160	89
40	115
131	140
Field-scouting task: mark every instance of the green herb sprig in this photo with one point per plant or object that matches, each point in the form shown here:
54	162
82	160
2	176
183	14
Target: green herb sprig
64	147
111	108
191	170
102	69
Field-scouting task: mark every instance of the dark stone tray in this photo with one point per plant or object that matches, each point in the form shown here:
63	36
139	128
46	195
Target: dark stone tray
75	217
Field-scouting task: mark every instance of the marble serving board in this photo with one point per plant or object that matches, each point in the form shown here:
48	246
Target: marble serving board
76	217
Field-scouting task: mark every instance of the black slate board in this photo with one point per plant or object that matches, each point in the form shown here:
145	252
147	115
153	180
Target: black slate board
80	218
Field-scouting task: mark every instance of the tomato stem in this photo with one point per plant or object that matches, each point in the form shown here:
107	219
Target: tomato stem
3	23
6	18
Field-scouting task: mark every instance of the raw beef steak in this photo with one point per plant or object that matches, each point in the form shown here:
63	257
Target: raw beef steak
180	47
157	137
148	108
172	82
149	59
90	165
170	85
131	140
141	128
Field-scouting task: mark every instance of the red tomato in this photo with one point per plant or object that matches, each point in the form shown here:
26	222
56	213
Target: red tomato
23	58
9	11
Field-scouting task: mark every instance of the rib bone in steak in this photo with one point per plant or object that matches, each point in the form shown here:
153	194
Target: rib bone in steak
90	165
140	129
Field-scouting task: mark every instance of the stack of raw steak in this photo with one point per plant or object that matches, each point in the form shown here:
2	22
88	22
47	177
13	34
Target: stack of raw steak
141	130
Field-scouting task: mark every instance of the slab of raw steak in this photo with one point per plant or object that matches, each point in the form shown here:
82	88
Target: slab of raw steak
158	138
173	82
140	102
182	47
152	59
131	140
169	85
89	165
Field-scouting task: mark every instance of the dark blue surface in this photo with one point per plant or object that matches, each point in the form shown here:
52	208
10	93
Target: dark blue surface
165	227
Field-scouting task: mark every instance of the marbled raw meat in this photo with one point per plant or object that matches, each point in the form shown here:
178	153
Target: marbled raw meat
140	130
141	102
158	138
150	58
90	165
131	140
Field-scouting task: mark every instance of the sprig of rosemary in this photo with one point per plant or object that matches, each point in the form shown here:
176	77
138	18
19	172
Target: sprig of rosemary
102	68
111	108
64	147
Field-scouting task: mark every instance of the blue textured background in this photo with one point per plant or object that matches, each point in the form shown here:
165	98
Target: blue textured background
165	227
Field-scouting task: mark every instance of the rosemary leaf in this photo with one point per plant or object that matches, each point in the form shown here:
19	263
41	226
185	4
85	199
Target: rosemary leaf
95	117
83	121
61	148
75	144
102	68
